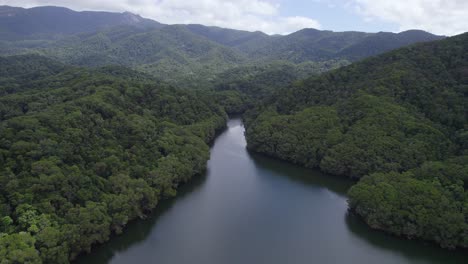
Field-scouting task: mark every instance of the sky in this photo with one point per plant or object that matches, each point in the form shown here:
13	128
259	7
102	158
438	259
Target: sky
443	17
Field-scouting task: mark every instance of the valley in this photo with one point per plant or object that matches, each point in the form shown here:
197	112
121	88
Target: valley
123	139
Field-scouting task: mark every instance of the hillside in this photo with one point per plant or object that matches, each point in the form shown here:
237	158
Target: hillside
84	152
391	120
258	81
229	37
171	52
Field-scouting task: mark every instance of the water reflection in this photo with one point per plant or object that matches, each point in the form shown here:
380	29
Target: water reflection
414	251
249	208
312	177
139	230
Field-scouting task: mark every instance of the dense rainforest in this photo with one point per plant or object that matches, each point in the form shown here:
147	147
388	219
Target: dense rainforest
398	122
83	152
104	114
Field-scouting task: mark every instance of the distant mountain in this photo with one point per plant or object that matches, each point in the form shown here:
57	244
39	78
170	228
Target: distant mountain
188	55
172	52
229	37
18	23
317	45
378	43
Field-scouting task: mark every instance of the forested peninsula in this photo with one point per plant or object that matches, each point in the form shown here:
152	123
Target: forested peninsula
398	122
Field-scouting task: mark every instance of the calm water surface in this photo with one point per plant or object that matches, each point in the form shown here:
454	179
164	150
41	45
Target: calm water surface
253	209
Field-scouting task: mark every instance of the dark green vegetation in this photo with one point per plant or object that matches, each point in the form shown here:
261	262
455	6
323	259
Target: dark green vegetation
261	80
83	152
428	202
193	56
249	208
97	124
399	121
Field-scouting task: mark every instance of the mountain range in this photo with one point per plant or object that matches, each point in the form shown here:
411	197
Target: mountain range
192	55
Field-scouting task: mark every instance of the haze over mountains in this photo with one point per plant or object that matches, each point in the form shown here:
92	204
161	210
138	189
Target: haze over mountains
193	53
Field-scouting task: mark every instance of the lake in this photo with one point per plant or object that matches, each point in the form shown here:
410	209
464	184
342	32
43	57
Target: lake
252	209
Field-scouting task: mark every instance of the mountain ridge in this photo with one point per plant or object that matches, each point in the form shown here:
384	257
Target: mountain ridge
12	11
20	23
184	55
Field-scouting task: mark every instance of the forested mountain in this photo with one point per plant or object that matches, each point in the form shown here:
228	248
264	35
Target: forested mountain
243	40
398	120
82	152
378	43
171	52
40	22
183	55
317	45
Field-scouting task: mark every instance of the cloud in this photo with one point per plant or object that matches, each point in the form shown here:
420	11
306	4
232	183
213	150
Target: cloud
447	17
249	15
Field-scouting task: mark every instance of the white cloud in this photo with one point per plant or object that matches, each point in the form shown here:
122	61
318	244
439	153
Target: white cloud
447	17
249	15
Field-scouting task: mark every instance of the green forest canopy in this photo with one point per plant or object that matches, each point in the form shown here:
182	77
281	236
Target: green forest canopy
82	152
398	121
85	150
